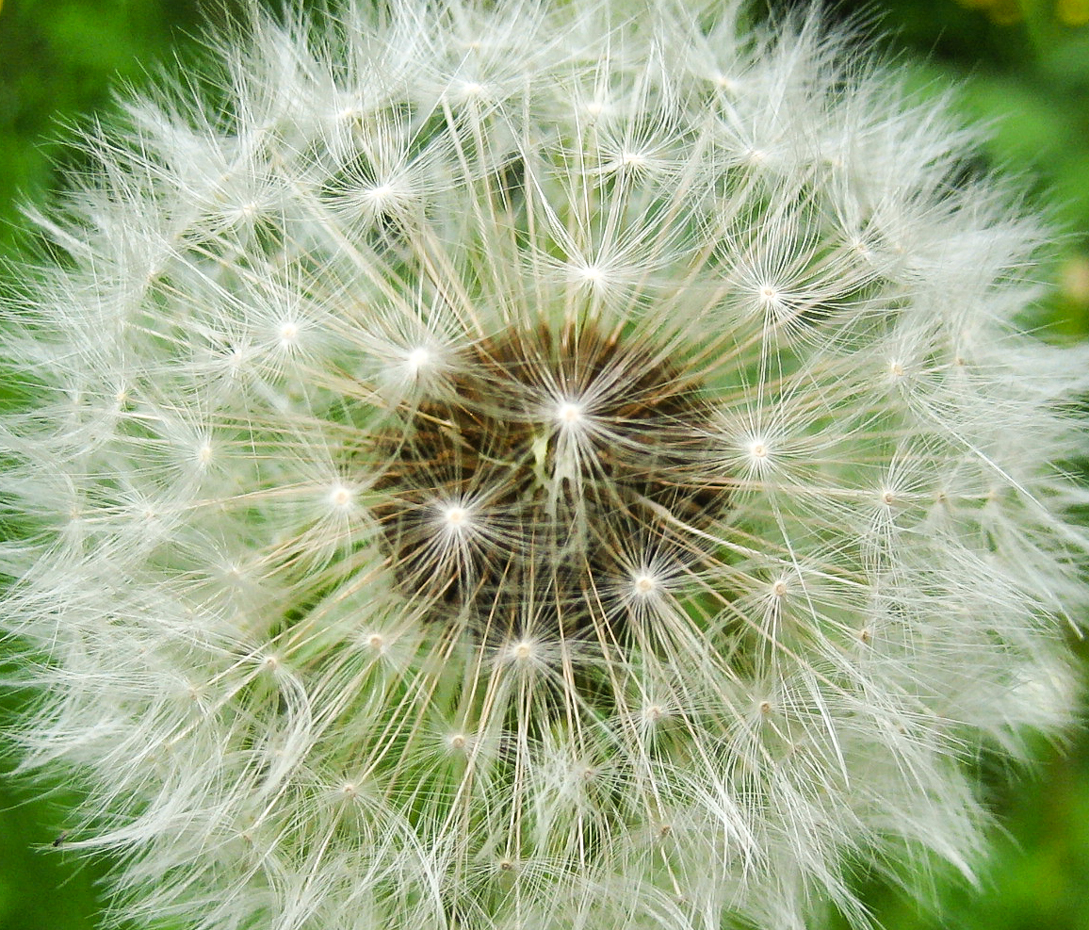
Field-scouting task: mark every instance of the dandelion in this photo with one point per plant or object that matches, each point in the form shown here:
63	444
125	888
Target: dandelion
534	466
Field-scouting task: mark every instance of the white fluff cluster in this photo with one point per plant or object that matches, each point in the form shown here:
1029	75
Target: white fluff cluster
533	465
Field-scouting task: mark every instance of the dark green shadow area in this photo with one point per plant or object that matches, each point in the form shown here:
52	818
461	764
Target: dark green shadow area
42	888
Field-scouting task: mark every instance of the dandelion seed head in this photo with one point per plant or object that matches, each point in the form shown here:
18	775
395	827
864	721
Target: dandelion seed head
540	465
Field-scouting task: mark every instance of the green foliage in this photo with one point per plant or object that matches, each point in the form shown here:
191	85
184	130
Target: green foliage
57	59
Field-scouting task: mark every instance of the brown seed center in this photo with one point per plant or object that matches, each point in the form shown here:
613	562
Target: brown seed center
538	482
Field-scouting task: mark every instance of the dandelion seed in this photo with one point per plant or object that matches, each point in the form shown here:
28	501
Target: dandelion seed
455	518
289	334
534	466
569	415
341	497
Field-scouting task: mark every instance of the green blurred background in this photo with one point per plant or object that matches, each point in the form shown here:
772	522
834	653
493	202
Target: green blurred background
1023	66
